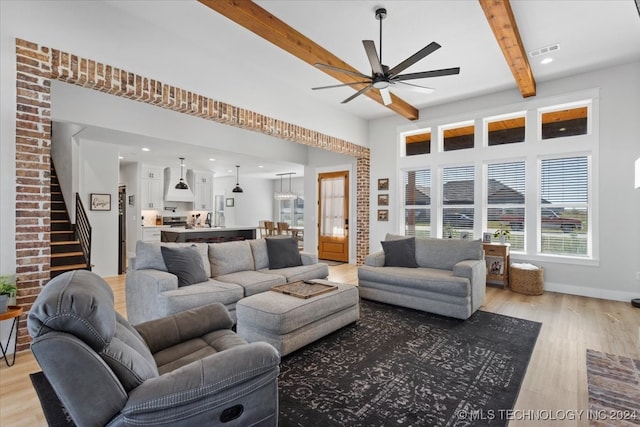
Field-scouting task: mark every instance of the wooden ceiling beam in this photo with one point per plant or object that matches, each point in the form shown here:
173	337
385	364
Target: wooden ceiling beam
505	29
259	21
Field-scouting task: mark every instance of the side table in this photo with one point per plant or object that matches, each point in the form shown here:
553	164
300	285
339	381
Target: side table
497	258
14	313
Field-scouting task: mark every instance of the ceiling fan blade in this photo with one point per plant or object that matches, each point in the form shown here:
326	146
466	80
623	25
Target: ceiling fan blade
370	48
417	88
358	93
425	74
386	96
345	84
341	70
427	50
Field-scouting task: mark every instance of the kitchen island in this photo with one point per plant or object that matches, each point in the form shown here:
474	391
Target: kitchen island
208	234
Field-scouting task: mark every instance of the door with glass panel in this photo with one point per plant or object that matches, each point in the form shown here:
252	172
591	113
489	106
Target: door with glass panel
333	214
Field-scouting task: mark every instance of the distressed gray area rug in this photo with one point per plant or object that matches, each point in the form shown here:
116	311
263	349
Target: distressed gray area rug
614	389
401	367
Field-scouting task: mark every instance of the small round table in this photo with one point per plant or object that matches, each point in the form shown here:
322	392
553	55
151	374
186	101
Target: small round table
14	313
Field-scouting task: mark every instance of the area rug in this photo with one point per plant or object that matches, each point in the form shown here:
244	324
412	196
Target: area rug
401	367
614	389
54	412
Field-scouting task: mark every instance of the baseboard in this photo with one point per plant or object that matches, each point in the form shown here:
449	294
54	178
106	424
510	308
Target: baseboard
590	292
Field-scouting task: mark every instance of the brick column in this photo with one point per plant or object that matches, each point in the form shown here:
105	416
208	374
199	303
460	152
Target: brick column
33	199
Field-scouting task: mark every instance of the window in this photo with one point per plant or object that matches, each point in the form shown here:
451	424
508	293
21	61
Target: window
506	200
458	200
564	122
417	210
418	144
564	206
458	137
505	130
292	211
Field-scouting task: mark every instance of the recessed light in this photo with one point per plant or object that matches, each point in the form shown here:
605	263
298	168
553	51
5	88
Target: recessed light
121	157
547	60
260	166
145	149
212	159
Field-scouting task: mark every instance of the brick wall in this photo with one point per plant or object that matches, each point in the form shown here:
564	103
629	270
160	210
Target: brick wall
38	65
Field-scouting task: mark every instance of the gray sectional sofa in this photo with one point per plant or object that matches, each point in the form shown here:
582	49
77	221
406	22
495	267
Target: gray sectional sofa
232	271
448	276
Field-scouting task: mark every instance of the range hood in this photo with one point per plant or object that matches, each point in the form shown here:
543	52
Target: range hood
171	193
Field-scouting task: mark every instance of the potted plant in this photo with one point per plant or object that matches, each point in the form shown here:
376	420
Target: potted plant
502	234
7	290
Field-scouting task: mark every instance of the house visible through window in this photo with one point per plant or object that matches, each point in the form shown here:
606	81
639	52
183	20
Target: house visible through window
417	211
458	137
564	206
506	200
458	200
418	143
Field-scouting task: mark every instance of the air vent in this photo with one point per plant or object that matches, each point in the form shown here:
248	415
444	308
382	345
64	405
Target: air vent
544	50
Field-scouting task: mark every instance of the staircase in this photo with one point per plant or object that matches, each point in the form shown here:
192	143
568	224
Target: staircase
66	252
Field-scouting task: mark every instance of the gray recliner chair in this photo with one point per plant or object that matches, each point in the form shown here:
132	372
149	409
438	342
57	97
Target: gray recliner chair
183	370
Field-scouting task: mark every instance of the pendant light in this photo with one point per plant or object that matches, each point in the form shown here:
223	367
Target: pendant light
285	195
237	188
181	185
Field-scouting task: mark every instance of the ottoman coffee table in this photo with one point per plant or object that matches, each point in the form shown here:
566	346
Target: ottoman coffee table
288	322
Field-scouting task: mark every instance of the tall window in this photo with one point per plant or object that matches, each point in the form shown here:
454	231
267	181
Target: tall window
458	199
564	206
506	200
417	210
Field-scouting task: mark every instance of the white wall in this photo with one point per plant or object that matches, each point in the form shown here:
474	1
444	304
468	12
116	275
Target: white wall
64	153
99	172
614	274
130	177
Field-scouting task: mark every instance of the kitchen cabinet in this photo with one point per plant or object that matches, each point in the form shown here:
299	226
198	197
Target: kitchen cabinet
151	187
201	183
151	234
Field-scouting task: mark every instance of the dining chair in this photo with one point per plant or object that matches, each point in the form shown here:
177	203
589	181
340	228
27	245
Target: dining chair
270	226
283	228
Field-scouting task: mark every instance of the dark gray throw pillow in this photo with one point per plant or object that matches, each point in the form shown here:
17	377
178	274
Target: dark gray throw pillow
186	263
283	253
400	253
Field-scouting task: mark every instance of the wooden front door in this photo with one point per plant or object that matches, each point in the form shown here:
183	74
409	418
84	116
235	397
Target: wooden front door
333	214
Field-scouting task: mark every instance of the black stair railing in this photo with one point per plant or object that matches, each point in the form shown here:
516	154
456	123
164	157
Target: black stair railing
83	231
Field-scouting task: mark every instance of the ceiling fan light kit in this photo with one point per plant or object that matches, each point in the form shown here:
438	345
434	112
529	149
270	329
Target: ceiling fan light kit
382	77
237	188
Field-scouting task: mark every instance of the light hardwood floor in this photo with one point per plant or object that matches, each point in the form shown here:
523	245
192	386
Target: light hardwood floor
555	385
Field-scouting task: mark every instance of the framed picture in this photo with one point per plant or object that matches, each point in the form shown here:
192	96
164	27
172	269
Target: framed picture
230	202
383	215
383	184
486	237
100	202
464	235
383	200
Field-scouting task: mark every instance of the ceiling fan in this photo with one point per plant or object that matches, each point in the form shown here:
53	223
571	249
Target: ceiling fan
382	77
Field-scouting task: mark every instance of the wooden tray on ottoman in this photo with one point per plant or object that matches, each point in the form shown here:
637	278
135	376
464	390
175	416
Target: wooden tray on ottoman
303	289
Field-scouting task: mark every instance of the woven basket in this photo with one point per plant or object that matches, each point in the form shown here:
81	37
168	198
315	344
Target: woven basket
527	282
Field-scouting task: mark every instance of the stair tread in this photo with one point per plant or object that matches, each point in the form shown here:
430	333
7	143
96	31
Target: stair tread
61	231
59	221
67	254
67	267
66	242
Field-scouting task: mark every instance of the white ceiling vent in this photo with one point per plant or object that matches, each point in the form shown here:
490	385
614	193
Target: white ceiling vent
543	50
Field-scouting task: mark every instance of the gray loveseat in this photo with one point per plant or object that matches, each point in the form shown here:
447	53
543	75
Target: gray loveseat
189	369
449	277
233	270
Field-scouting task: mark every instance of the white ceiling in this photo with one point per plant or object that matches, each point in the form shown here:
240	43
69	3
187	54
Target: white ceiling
592	34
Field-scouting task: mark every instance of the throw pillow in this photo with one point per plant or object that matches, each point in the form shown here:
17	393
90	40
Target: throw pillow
283	253
400	253
186	263
148	255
